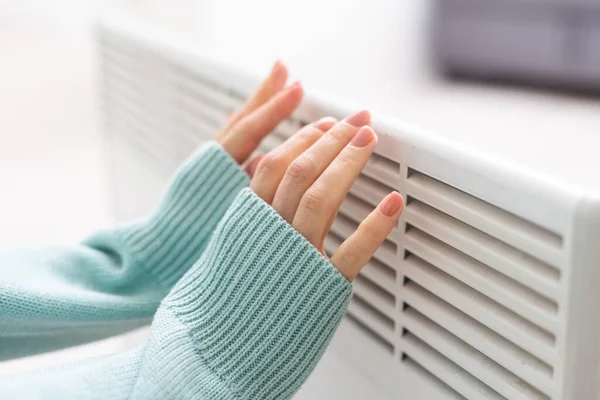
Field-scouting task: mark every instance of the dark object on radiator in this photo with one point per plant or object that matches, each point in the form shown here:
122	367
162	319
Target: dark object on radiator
549	42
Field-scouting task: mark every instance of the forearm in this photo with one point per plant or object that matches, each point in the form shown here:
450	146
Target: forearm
114	281
250	320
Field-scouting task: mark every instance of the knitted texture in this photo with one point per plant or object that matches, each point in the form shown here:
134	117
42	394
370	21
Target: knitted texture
263	304
56	297
249	320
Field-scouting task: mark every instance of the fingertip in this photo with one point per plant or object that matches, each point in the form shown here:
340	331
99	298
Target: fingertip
279	73
296	87
392	204
363	137
359	118
277	65
295	92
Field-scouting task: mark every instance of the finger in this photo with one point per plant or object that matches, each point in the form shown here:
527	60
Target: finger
252	164
269	87
356	251
320	203
305	170
273	166
245	136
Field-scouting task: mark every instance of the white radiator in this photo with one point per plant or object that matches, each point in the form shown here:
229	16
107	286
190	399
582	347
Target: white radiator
488	287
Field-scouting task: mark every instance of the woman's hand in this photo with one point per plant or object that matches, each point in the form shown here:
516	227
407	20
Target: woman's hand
262	112
306	179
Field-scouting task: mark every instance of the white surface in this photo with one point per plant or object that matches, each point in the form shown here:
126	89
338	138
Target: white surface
372	54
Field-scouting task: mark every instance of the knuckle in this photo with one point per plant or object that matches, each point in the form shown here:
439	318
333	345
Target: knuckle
314	201
344	160
309	134
338	134
370	233
301	169
270	163
350	258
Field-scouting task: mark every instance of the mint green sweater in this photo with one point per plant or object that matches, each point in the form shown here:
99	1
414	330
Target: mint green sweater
241	305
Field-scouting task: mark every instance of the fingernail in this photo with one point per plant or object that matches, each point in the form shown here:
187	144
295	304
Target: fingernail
278	64
325	124
294	86
392	204
363	137
279	73
359	119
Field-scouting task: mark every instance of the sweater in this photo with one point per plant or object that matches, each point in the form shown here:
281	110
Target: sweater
241	305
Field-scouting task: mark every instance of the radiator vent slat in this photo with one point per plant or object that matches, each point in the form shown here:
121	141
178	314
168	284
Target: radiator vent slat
370	190
198	110
379	323
504	226
134	115
198	78
497	287
195	87
384	163
355	208
494	346
503	258
454	376
471	360
381	274
383	169
198	127
433	379
371	293
120	61
138	134
113	78
122	136
370	334
496	317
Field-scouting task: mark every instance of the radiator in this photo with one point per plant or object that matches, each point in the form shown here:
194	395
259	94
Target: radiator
487	287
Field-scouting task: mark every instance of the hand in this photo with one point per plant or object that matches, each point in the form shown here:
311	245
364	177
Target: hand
262	112
306	179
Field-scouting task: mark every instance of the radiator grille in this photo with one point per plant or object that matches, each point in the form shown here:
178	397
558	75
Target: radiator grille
462	291
129	118
475	299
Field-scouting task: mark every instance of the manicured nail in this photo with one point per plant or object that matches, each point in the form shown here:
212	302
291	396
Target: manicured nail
279	73
325	124
278	64
359	119
294	86
363	137
392	204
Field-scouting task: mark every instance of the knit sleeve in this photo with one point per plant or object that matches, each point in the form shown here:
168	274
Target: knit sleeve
54	297
250	320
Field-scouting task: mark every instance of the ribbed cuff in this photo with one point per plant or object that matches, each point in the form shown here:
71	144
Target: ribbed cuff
174	237
262	303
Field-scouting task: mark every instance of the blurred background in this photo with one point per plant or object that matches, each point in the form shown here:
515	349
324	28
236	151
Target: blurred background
509	81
